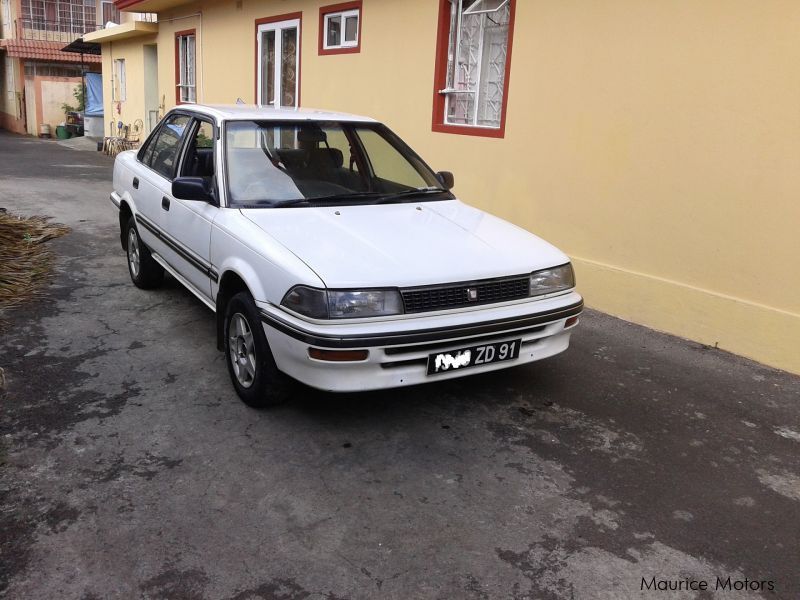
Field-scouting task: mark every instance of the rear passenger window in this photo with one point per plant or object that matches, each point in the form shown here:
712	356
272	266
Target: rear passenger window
162	152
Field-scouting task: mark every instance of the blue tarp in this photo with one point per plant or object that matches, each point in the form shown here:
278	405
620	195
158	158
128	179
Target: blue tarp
94	95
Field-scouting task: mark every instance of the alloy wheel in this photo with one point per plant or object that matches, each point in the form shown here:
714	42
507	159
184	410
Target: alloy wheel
134	257
242	350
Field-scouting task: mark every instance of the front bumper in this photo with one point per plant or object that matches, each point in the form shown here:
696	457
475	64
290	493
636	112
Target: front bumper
399	348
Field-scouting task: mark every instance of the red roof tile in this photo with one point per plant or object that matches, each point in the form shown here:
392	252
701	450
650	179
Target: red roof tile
50	51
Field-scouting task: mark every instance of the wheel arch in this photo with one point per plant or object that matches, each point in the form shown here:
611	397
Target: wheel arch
230	284
125	213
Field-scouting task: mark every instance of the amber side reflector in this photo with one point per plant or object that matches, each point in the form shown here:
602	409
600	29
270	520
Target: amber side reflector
338	355
570	322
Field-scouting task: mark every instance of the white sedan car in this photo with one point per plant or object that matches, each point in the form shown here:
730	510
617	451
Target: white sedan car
332	254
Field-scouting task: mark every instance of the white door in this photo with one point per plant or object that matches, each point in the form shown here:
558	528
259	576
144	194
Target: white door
279	64
189	222
152	183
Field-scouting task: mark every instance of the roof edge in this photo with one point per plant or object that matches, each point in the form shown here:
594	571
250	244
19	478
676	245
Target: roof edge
126	30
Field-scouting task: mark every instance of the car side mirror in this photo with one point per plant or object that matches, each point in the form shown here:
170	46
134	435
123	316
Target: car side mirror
446	179
192	188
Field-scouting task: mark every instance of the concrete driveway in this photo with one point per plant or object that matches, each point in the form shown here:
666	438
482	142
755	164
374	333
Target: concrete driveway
131	470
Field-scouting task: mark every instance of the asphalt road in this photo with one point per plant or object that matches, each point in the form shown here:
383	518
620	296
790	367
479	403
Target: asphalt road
130	469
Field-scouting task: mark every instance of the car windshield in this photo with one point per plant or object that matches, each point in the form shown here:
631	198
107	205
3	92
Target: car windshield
310	163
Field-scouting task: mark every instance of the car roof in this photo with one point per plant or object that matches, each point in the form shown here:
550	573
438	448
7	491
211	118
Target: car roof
235	112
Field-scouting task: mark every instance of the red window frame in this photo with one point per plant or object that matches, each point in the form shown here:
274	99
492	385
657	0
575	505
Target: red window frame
440	78
333	8
178	35
277	19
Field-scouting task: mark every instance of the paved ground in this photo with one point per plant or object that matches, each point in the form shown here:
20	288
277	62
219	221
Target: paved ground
130	469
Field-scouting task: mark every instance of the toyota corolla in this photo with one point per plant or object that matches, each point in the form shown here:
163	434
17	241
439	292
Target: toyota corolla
332	254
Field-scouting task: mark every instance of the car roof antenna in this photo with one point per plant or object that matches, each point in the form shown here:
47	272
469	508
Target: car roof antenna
240	101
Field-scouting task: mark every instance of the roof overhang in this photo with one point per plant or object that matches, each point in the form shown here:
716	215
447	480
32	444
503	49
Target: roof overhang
148	5
125	31
81	47
49	51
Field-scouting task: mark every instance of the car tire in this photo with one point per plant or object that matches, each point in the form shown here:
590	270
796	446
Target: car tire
252	368
145	272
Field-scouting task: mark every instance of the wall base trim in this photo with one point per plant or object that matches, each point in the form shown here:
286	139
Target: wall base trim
759	332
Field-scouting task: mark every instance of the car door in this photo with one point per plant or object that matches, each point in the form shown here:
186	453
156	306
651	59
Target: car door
189	222
152	184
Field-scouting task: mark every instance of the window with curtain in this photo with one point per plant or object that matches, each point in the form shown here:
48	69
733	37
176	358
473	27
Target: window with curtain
186	85
118	90
110	13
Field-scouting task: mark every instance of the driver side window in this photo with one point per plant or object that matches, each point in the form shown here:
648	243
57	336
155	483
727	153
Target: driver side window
199	160
162	152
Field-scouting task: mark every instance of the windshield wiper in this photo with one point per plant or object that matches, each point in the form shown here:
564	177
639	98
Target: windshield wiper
315	200
410	194
346	196
380	197
284	203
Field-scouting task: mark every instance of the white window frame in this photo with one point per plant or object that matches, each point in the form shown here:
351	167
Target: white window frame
187	68
116	12
460	8
278	28
118	88
344	14
5	26
9	69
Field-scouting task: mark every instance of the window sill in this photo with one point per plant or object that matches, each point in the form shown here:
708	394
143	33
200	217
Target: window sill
470	130
342	50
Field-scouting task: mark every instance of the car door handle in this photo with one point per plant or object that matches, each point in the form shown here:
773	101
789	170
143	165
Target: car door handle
165	203
136	183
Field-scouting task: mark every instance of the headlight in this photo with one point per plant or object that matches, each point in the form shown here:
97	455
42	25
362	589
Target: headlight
342	304
369	303
549	281
307	301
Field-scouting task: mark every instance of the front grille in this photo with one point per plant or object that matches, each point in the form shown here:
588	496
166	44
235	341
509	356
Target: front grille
442	297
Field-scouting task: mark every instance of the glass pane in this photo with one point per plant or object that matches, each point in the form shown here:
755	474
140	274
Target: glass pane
190	60
350	29
269	161
488	6
182	60
289	67
199	160
165	147
340	150
205	135
389	165
477	63
493	68
334	31
268	67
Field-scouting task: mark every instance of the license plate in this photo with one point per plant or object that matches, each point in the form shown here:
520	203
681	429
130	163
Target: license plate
444	362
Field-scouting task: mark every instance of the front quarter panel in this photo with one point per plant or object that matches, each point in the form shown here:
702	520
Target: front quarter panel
265	265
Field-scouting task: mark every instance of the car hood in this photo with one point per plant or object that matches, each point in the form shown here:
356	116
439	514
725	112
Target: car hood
409	244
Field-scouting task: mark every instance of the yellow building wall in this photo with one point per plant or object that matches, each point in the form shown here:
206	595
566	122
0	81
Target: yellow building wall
52	94
166	52
657	143
133	107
